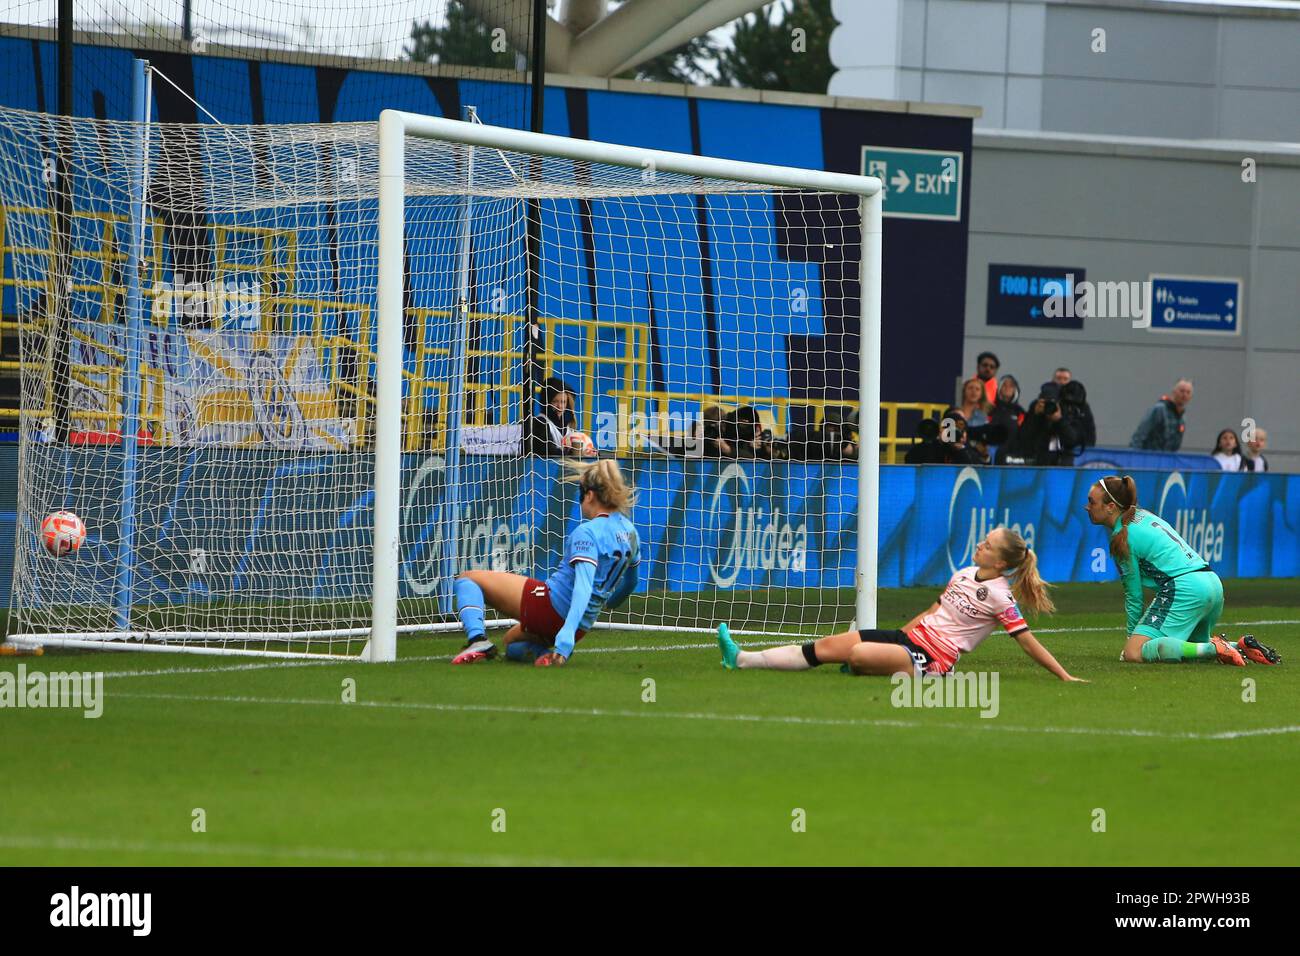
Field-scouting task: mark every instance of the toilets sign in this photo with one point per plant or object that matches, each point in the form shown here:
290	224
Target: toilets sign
919	183
1205	304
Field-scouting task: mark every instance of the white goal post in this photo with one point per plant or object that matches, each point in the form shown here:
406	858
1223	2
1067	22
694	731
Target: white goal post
274	370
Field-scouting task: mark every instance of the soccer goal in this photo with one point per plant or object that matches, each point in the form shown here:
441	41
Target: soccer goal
290	377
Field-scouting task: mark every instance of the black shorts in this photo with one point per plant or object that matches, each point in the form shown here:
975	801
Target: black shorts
920	656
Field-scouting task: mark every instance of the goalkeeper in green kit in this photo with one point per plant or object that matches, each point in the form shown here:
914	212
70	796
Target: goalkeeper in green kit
1177	625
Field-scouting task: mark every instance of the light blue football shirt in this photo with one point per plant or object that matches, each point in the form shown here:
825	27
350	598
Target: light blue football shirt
611	543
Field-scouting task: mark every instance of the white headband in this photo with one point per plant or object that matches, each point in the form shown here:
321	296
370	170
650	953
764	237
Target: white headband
1102	482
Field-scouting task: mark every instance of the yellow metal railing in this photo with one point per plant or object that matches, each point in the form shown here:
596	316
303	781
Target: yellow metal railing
889	436
276	249
271	255
647	405
489	401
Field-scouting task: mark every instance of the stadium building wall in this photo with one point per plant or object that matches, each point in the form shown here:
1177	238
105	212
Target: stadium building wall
1120	210
1156	68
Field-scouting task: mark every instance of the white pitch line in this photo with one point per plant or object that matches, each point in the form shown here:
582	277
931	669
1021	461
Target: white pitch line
222	669
279	665
981	725
203	847
1099	630
640	648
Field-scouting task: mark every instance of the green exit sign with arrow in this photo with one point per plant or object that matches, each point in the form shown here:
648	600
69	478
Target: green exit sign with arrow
919	183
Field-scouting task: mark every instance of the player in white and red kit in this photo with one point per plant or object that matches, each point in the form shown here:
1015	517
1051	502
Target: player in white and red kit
978	600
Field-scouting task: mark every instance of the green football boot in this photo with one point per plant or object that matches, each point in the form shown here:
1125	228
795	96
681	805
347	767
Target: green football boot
729	649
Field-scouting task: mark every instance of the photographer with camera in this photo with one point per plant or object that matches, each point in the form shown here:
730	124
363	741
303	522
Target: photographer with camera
835	439
1047	436
950	441
742	432
1075	409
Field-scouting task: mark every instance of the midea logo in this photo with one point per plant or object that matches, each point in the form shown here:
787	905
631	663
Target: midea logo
750	538
968	528
488	541
1195	527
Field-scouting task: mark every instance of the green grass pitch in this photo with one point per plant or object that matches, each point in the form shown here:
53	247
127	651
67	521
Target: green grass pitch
500	763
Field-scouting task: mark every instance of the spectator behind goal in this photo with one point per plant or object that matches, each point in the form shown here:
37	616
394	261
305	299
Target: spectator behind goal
547	432
834	440
1076	410
1007	412
743	433
1227	450
1161	429
986	370
1046	437
942	443
1252	452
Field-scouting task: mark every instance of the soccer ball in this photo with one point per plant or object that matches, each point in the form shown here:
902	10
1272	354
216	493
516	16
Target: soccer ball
62	533
580	443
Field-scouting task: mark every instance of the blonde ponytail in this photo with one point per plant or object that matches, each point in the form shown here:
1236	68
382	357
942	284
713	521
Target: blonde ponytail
1029	590
605	478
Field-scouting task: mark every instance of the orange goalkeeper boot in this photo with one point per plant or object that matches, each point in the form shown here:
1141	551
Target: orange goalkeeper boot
1256	651
1227	653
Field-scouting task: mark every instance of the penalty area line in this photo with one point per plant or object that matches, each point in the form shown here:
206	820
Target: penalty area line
796	720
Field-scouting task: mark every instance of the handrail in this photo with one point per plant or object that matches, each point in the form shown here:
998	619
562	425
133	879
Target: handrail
489	399
780	405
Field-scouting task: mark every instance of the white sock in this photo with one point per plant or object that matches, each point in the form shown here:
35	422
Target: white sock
788	658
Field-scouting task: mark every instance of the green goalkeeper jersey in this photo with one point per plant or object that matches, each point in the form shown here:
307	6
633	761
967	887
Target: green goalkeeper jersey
1157	555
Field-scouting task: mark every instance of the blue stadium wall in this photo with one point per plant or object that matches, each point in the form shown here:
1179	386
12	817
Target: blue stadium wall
924	261
704	524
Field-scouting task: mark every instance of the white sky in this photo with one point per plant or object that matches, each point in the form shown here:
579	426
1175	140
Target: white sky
342	27
375	28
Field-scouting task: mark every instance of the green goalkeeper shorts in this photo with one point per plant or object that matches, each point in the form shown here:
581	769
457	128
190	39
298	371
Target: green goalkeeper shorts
1186	607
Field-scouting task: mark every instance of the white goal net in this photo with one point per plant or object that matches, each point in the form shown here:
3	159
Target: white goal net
204	377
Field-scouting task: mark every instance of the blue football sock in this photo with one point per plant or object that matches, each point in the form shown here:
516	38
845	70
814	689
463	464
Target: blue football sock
524	651
469	605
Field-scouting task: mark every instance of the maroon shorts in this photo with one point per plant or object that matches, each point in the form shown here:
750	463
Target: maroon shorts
536	615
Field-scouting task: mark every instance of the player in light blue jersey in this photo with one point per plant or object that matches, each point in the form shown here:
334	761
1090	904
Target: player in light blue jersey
599	570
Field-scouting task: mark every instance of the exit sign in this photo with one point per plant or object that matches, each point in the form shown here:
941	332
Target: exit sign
919	183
